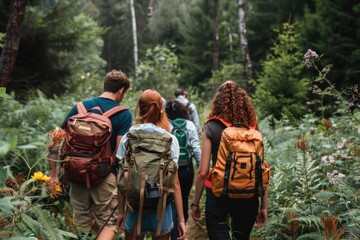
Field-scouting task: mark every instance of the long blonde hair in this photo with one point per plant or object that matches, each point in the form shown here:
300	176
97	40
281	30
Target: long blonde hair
150	109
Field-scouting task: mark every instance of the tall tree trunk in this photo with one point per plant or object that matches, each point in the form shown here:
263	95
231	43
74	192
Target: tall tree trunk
133	20
151	8
231	47
243	40
11	40
216	54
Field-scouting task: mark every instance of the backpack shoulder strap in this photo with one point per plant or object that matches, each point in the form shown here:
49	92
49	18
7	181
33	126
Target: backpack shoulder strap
114	110
226	123
81	108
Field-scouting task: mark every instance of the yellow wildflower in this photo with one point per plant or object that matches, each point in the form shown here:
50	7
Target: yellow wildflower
57	188
54	190
38	176
46	178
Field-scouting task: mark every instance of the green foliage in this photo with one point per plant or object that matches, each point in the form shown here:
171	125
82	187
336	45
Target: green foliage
159	71
279	90
1	39
59	43
166	22
315	172
263	16
25	130
226	72
115	17
22	209
3	93
195	57
329	28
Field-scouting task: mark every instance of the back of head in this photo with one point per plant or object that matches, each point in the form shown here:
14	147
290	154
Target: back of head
115	80
150	109
179	92
175	110
233	104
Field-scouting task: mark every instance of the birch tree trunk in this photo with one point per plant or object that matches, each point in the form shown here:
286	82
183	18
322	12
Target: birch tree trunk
134	31
243	40
216	53
11	40
231	48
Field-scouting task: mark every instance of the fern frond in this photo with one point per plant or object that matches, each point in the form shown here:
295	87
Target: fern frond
31	224
311	221
25	186
66	234
310	236
48	225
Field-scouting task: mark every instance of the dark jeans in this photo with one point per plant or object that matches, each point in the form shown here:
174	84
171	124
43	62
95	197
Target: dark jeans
186	179
242	212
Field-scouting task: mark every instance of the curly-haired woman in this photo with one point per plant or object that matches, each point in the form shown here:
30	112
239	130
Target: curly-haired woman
150	112
232	104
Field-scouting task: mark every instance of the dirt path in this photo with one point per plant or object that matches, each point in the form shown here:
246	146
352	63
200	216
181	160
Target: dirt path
195	231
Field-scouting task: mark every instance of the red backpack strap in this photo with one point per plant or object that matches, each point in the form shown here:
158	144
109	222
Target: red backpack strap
227	124
81	108
97	108
114	110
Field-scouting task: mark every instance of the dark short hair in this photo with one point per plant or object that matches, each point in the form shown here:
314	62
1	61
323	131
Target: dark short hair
175	110
179	92
115	80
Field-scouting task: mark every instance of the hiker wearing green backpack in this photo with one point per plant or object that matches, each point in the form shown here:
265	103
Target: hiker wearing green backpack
186	133
237	188
181	96
148	156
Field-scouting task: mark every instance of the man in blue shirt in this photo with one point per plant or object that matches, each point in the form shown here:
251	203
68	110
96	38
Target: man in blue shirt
97	203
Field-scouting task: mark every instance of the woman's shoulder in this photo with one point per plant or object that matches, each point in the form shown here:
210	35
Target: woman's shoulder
214	126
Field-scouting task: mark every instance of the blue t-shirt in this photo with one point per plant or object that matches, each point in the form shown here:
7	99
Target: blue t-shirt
121	122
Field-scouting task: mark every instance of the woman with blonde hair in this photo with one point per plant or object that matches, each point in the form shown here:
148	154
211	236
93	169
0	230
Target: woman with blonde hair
152	118
232	104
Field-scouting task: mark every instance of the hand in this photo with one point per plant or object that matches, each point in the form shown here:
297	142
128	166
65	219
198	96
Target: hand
54	176
196	213
261	218
121	222
182	230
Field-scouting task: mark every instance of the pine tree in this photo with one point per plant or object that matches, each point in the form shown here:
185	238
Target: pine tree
280	88
195	57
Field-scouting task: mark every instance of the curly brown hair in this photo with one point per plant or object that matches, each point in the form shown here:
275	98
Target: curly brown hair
233	104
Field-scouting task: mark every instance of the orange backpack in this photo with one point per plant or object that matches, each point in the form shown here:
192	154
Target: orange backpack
86	148
240	170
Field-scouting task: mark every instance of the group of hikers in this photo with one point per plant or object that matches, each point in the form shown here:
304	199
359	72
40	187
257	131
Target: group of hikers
137	177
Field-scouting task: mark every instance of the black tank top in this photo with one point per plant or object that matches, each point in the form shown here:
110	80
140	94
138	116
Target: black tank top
213	130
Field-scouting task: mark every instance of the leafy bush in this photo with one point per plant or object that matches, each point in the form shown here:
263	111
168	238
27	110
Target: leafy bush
315	172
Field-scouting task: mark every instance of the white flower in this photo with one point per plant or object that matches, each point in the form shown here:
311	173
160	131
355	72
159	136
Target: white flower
328	160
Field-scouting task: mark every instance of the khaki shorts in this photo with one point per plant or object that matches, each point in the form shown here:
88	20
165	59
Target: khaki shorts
95	204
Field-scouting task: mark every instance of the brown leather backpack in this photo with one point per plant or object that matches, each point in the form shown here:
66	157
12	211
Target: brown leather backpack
86	148
240	170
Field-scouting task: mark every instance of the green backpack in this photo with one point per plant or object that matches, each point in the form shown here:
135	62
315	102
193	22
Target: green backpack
147	173
180	132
